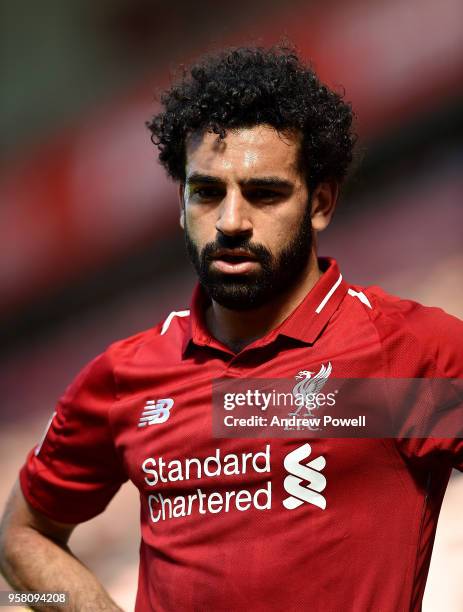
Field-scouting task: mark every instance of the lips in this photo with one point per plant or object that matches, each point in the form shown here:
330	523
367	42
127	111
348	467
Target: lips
234	255
234	261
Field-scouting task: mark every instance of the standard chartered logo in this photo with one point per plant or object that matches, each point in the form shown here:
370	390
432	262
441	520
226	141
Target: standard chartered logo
304	482
178	488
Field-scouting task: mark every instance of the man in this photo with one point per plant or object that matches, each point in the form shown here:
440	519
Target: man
259	148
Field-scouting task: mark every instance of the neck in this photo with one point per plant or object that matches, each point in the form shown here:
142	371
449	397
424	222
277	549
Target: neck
237	329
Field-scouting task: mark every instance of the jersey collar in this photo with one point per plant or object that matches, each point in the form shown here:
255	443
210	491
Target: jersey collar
305	323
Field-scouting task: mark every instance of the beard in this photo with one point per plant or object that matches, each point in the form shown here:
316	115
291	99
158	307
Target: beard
276	274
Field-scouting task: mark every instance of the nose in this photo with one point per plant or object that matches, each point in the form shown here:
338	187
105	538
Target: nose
234	215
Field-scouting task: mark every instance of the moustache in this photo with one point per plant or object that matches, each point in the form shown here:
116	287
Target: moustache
244	245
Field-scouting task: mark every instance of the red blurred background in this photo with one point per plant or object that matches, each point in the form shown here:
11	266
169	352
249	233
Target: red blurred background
90	243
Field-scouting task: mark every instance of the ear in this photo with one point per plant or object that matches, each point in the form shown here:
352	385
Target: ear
324	199
181	199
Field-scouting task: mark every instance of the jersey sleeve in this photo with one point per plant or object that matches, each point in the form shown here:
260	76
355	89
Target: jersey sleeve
441	337
75	471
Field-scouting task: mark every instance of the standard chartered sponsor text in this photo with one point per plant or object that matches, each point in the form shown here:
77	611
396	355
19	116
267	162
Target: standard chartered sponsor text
158	472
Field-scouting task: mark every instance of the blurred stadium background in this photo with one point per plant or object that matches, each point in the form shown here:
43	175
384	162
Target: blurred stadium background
90	243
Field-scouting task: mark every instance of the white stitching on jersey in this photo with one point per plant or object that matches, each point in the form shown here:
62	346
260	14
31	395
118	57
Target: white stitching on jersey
174	313
361	296
328	295
39	445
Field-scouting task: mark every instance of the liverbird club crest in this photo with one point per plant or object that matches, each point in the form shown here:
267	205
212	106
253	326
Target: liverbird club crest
308	385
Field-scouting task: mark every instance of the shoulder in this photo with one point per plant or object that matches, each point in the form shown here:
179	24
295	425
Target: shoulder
149	347
428	332
160	341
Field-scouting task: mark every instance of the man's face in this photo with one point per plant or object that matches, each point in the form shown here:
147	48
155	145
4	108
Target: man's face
246	215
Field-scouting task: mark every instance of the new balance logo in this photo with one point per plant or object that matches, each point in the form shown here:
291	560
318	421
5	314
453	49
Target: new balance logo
155	412
304	482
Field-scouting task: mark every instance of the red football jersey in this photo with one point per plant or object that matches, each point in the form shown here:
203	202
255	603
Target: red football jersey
219	531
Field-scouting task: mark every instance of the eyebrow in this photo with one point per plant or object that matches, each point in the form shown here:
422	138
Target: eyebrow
262	181
196	177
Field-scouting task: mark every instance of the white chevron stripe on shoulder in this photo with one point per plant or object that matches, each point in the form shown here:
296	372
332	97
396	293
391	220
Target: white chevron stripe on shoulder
361	296
174	313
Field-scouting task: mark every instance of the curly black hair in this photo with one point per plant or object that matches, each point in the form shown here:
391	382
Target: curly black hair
248	86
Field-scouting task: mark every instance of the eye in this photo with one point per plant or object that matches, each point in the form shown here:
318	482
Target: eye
206	193
264	195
